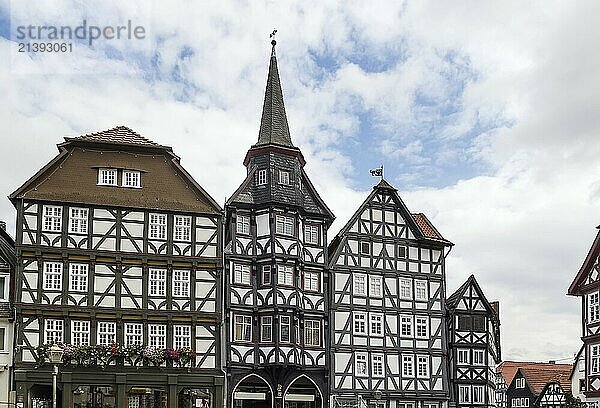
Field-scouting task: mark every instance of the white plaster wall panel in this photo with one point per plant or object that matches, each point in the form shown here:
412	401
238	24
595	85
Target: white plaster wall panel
262	225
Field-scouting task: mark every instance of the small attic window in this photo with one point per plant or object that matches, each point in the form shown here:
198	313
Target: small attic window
284	177
131	178
107	177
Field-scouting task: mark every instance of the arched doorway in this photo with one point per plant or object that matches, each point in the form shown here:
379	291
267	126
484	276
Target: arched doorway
252	391
303	393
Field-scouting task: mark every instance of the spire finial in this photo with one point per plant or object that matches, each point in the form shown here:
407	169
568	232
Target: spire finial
273	42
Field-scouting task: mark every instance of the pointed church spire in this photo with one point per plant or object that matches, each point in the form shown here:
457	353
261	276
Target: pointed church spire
273	124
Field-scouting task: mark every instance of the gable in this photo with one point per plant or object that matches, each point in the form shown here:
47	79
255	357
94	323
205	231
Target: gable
589	273
469	297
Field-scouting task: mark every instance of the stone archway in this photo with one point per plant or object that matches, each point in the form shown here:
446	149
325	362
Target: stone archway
252	391
303	393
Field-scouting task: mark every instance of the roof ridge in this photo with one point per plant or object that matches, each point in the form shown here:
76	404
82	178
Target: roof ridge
119	134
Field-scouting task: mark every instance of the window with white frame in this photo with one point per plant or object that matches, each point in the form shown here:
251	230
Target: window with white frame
408	366
360	284
242	224
134	334
181	283
158	282
478	358
80	332
4	287
182	229
311	281
520	402
360	364
464	393
284	177
520	383
52	218
464	356
266	329
266	274
376	324
377	365
478	394
595	359
158	226
406	326
78	220
360	323
365	248
312	333
593	307
285	329
421	327
107	333
78	277
107	177
243	328
406	405
285	275
375	286
421	290
261	177
401	251
284	225
182	336
422	366
406	289
157	335
3	339
53	331
131	178
311	234
53	275
241	274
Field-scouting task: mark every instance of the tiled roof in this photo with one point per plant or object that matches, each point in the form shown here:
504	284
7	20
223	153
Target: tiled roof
508	369
538	377
426	227
116	135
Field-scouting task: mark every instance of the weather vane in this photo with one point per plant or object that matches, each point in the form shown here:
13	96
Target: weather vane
273	42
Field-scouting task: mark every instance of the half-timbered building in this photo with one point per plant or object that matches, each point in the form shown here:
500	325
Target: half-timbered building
474	346
119	262
587	286
578	376
540	386
388	324
276	285
7	271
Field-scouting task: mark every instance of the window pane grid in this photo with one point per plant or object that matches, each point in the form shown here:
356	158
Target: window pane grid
52	218
182	336
53	275
78	221
181	283
157	282
183	228
157	335
158	226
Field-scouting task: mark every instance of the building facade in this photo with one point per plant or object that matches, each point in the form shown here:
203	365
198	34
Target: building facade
540	386
474	346
7	273
388	324
276	282
119	262
578	376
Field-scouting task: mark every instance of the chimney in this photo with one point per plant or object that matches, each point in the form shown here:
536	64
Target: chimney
3	225
552	362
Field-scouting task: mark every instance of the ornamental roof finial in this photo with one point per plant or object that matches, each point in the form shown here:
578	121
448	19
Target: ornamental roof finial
273	42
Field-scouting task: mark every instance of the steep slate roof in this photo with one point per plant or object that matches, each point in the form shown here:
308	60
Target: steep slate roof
120	135
538	377
508	369
586	267
8	255
454	298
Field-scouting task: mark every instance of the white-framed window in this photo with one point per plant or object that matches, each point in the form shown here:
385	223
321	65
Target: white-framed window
78	277
464	393
365	248
181	283
80	332
4	279
360	323
284	225
53	275
3	339
421	290
157	335
376	326
131	178
421	327
53	331
408	365
284	177
478	396
182	230
375	286
266	274
405	405
266	329
261	177
182	336
242	224
107	177
311	281
158	282
520	402
133	401
423	366
406	289
243	328
406	326
107	333
285	329
134	334
78	220
595	359
478	358
377	365
312	333
241	274
464	356
158	226
359	281
360	364
311	234
593	307
520	383
285	275
52	219
401	251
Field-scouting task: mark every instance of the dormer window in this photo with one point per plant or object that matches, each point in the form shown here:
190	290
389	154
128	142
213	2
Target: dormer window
284	177
261	177
107	177
131	178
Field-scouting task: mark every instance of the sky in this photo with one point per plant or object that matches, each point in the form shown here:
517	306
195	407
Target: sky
485	115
